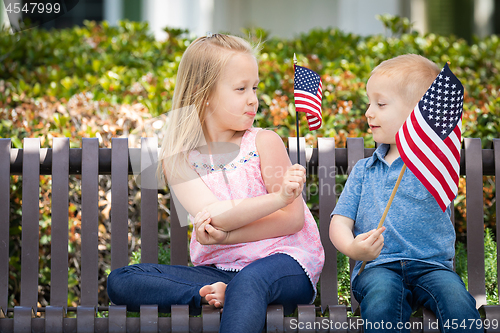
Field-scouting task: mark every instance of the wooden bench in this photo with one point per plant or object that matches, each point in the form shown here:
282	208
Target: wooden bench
91	161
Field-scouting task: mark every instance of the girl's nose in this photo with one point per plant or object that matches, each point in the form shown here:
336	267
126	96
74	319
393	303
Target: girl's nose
369	112
253	99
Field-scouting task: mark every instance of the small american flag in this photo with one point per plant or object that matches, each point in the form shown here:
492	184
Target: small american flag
429	141
307	91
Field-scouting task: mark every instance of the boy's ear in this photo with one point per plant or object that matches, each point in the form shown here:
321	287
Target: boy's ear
411	104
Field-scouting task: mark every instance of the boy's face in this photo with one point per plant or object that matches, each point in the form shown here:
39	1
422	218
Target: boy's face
387	111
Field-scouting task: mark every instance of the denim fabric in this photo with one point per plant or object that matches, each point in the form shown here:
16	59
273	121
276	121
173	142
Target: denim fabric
276	279
417	228
389	293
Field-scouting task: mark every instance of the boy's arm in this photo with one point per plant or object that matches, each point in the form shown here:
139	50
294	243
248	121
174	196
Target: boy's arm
364	247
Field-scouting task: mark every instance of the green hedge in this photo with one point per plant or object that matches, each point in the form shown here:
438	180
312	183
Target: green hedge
125	65
102	81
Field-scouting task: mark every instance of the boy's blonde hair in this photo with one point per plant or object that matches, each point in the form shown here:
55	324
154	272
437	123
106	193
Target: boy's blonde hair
412	74
199	71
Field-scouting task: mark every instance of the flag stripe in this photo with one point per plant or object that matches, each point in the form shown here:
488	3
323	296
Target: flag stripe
315	124
421	171
419	175
455	139
301	102
309	112
431	165
305	96
312	113
427	149
433	138
312	116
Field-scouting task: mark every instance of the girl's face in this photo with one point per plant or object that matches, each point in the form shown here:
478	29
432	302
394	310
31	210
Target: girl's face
234	103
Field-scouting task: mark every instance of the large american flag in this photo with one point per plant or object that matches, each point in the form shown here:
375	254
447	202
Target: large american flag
307	91
429	141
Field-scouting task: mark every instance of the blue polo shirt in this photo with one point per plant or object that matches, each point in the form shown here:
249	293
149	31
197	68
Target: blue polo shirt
417	228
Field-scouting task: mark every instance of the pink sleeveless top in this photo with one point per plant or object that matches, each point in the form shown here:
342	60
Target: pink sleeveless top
242	178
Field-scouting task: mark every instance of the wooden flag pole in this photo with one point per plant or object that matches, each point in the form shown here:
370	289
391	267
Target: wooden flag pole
296	115
381	223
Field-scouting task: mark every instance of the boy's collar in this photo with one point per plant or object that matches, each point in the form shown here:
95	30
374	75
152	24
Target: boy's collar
379	154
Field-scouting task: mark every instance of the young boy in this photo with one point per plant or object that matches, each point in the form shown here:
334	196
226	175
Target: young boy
411	257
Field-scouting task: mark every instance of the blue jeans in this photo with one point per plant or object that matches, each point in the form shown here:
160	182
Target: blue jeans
276	279
391	292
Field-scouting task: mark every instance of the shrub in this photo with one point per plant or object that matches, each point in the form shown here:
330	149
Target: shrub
490	264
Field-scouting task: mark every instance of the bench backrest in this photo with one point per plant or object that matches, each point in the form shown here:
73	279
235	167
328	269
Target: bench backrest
90	161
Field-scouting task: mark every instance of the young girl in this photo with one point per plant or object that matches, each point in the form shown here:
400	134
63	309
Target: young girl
255	241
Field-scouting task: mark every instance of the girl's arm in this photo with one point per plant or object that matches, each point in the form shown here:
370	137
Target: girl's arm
286	221
274	163
229	215
364	247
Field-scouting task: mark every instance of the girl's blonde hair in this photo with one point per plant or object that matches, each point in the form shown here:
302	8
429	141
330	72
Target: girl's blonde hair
412	74
199	71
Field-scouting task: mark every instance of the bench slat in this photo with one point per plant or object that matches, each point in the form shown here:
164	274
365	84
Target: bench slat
338	316
429	320
90	222
292	154
327	201
475	220
54	319
85	316
492	313
59	224
178	238
149	200
496	147
22	315
180	319
5	145
275	320
117	319
306	316
30	220
355	152
211	319
149	318
119	203
292	150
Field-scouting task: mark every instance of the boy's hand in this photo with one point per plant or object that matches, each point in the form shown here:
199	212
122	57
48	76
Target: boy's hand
206	234
367	246
293	183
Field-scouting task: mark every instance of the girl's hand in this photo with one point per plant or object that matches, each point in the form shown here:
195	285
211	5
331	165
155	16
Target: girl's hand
206	234
293	183
367	246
